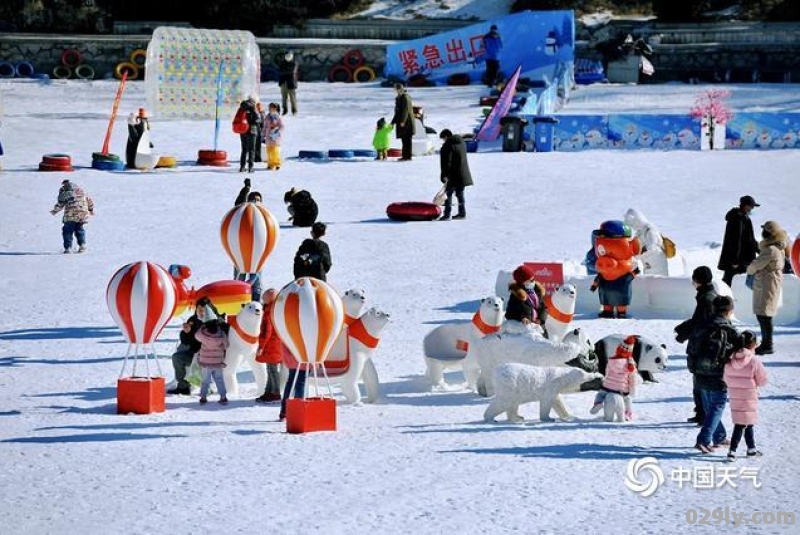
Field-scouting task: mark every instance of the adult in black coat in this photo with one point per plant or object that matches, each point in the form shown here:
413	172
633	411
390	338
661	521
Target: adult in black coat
301	206
188	347
703	311
739	246
313	258
287	80
455	172
403	120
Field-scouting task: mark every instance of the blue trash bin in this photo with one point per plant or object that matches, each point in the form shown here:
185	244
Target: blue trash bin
544	128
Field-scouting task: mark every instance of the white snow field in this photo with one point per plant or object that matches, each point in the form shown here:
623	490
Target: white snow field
417	461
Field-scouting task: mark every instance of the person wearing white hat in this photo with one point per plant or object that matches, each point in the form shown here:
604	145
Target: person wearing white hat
287	80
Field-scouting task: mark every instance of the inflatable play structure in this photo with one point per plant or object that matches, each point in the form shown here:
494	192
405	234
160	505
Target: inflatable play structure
228	296
184	66
446	346
540	42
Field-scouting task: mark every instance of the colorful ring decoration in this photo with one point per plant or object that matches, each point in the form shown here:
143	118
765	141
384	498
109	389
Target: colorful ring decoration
130	68
138	57
353	59
71	58
7	70
364	74
25	69
61	72
84	72
340	73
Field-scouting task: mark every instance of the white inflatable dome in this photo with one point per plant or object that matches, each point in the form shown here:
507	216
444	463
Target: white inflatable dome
183	67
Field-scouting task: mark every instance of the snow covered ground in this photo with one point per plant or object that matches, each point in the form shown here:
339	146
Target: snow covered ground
417	461
433	9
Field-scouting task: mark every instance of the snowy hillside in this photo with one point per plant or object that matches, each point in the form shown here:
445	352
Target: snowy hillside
418	461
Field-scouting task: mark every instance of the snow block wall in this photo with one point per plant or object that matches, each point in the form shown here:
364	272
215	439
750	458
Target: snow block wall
542	42
183	66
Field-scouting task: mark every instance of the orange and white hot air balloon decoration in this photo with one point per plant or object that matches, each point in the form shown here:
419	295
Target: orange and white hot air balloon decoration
794	257
249	233
308	315
141	298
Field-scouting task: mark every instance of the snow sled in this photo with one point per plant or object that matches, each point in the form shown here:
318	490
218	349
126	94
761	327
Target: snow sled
413	211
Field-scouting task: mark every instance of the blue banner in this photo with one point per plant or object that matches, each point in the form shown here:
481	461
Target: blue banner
581	132
538	41
763	131
663	132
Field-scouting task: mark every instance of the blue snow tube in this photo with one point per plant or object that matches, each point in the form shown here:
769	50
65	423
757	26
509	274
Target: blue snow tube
312	155
24	69
340	153
365	153
7	70
108	165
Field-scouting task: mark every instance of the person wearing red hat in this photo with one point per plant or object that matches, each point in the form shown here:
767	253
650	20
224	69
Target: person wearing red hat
620	377
526	300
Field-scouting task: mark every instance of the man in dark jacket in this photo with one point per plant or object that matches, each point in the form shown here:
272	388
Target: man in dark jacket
703	311
301	206
455	172
287	80
313	258
739	246
403	120
710	346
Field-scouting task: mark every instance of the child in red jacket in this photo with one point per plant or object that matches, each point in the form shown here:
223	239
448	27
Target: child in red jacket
270	349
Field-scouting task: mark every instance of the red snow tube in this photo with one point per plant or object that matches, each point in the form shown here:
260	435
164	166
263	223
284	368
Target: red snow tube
353	59
71	58
413	211
394	153
340	73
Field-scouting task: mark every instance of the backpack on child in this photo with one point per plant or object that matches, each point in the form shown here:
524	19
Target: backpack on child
240	123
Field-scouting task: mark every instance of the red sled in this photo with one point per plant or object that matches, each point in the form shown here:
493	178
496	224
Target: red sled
140	395
310	414
413	211
240	124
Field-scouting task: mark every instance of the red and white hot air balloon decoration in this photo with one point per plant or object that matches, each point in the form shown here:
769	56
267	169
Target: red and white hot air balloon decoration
141	298
308	315
249	233
794	256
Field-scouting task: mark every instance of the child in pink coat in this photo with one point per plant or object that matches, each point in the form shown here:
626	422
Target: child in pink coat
211	356
620	377
744	373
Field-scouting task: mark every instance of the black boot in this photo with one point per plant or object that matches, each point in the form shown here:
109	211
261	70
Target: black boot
462	212
765	348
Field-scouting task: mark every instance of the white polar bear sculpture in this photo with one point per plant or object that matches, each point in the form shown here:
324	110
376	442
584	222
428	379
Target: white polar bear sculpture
560	311
243	344
653	258
525	348
516	384
447	346
355	364
614	407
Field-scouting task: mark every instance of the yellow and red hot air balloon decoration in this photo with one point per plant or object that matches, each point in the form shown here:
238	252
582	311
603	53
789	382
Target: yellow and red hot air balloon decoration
249	233
308	315
141	298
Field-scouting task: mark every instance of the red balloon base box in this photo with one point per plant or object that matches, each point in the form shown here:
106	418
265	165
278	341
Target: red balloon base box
141	395
311	414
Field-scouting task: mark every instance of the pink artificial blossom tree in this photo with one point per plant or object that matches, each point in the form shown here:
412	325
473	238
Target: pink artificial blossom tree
711	110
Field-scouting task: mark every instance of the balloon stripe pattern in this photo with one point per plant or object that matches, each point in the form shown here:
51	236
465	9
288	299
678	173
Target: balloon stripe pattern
308	315
141	298
249	234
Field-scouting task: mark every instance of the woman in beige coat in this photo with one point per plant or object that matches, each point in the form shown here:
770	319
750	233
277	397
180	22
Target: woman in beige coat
767	270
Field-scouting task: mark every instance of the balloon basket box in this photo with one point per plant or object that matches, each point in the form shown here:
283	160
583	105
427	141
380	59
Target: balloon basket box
310	414
141	395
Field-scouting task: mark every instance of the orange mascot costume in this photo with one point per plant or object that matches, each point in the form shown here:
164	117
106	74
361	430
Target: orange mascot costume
615	248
